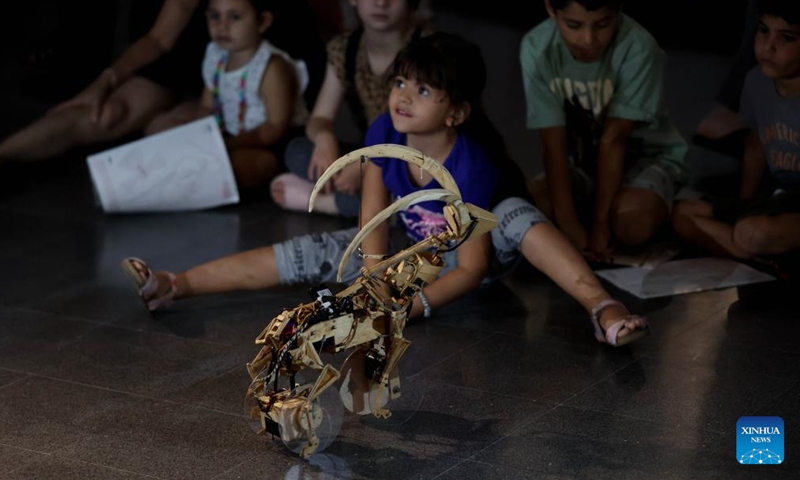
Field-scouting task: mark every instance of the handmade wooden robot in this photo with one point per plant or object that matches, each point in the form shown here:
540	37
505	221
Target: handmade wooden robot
367	317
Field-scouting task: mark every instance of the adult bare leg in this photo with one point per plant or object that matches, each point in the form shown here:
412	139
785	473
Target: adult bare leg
127	110
181	114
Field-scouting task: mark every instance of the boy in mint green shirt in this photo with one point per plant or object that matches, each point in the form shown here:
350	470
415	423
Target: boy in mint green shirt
594	84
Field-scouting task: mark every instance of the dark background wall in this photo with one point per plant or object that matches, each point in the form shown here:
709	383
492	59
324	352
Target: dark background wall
51	47
705	25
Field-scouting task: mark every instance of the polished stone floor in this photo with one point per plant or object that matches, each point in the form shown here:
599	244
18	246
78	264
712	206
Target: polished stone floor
509	383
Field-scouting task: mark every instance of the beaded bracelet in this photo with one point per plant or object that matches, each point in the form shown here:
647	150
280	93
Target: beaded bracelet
426	305
374	256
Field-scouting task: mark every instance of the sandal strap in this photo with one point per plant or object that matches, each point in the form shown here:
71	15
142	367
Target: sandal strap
613	331
150	286
609	302
611	334
165	299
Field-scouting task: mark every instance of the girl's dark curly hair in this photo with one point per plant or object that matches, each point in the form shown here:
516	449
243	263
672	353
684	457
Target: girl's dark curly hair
452	64
446	62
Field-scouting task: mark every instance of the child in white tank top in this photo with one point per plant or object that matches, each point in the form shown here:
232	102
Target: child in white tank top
254	89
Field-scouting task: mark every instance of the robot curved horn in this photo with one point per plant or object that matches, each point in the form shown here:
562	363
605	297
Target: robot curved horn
405	202
388	150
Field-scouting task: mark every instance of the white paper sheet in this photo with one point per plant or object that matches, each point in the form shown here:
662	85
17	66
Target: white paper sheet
185	168
683	276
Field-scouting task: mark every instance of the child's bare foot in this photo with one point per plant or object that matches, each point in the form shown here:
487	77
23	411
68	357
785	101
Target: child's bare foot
293	193
155	289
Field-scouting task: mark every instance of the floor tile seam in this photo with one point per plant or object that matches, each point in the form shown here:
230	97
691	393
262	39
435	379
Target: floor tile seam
113	390
668	472
493	392
223	473
138	395
532	419
15	447
651	358
463	461
470	460
543	413
17	468
659	356
226	372
773	400
537	399
633	417
643	356
601	380
214	410
13	382
410	446
615	414
55	454
509	434
201	406
458	352
77	318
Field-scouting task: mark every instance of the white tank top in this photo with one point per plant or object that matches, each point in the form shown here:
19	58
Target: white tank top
230	87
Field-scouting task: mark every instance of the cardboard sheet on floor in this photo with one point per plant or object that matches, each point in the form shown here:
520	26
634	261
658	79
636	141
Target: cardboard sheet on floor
683	276
181	169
